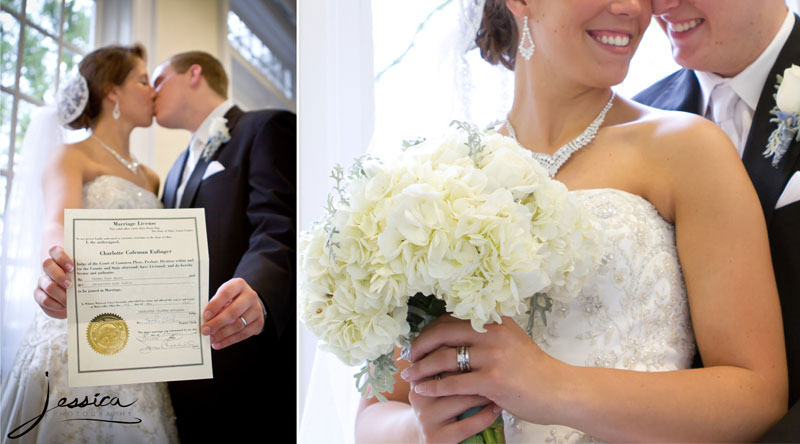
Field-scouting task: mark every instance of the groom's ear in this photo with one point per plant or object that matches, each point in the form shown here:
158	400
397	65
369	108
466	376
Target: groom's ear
195	75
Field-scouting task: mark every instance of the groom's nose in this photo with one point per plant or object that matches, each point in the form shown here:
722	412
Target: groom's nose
662	6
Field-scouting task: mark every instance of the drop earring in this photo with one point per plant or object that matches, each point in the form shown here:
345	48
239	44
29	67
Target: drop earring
526	52
115	113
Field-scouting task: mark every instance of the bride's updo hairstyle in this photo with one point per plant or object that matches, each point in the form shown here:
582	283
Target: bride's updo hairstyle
498	36
103	68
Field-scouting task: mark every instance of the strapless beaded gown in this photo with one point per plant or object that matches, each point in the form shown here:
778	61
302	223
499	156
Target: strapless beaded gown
44	350
632	314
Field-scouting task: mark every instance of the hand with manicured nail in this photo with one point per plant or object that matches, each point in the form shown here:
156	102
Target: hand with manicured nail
51	291
506	367
425	418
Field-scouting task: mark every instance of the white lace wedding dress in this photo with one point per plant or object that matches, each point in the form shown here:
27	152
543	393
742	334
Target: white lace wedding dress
44	351
633	314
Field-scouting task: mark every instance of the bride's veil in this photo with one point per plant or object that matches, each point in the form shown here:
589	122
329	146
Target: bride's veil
22	232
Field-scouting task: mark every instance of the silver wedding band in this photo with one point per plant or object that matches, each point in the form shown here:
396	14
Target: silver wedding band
462	356
244	323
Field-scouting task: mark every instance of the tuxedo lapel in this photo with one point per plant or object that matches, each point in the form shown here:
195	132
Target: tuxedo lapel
683	94
174	179
768	180
189	193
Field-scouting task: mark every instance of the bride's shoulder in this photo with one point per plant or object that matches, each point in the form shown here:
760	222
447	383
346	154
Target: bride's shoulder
68	157
78	150
677	134
689	152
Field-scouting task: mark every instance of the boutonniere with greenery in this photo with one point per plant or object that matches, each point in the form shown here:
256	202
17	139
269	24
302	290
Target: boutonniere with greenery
787	115
217	135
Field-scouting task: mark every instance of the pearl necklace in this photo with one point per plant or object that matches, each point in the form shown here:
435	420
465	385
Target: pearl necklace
133	165
552	163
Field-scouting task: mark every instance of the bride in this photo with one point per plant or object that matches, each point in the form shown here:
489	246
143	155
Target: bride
110	96
686	259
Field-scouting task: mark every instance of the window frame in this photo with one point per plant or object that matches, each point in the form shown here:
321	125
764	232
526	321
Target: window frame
15	92
263	73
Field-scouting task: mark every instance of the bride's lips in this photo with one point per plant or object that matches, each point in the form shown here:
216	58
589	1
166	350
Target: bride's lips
616	42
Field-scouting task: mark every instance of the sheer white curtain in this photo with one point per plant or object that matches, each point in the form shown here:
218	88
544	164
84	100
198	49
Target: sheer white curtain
335	100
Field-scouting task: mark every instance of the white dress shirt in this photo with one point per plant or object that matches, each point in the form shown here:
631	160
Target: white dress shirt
196	145
747	86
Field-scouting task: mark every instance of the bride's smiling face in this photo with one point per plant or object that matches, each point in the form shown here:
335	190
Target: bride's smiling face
589	40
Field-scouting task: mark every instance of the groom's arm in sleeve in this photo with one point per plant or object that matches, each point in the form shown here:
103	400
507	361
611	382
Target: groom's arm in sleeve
269	263
267	268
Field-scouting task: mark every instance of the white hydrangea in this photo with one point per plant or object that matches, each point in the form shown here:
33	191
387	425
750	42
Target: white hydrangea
481	226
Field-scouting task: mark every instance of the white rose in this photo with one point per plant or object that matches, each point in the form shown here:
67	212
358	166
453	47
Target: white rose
788	97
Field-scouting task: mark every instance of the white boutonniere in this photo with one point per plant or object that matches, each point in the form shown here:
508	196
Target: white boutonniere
217	135
787	115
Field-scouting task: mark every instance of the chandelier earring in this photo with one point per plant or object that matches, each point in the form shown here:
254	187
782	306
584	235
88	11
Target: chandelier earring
115	113
526	51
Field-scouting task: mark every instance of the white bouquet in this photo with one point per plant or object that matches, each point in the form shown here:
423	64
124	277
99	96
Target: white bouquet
471	225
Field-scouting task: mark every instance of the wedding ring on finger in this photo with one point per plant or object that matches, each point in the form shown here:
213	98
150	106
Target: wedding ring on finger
462	355
244	323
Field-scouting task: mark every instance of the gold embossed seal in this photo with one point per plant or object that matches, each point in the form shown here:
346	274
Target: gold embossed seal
107	333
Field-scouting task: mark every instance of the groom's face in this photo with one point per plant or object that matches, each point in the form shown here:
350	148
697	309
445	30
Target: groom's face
170	92
710	35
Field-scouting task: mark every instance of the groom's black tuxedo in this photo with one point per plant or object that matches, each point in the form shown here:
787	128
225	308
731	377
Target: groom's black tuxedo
250	219
681	91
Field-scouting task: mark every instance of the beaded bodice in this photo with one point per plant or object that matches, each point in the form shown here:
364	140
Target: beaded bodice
632	314
114	192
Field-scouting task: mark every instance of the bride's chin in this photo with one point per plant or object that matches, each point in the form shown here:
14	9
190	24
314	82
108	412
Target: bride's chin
147	123
609	78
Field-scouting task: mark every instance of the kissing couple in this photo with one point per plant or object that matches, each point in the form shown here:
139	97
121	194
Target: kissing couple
245	181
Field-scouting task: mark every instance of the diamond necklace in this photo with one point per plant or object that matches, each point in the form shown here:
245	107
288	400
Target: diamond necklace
552	163
133	165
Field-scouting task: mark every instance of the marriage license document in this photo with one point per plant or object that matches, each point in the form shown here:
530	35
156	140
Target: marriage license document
139	285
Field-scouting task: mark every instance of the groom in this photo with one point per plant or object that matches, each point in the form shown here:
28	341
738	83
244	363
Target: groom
246	184
732	52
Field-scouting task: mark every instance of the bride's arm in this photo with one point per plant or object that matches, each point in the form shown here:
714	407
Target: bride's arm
410	418
61	186
724	254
